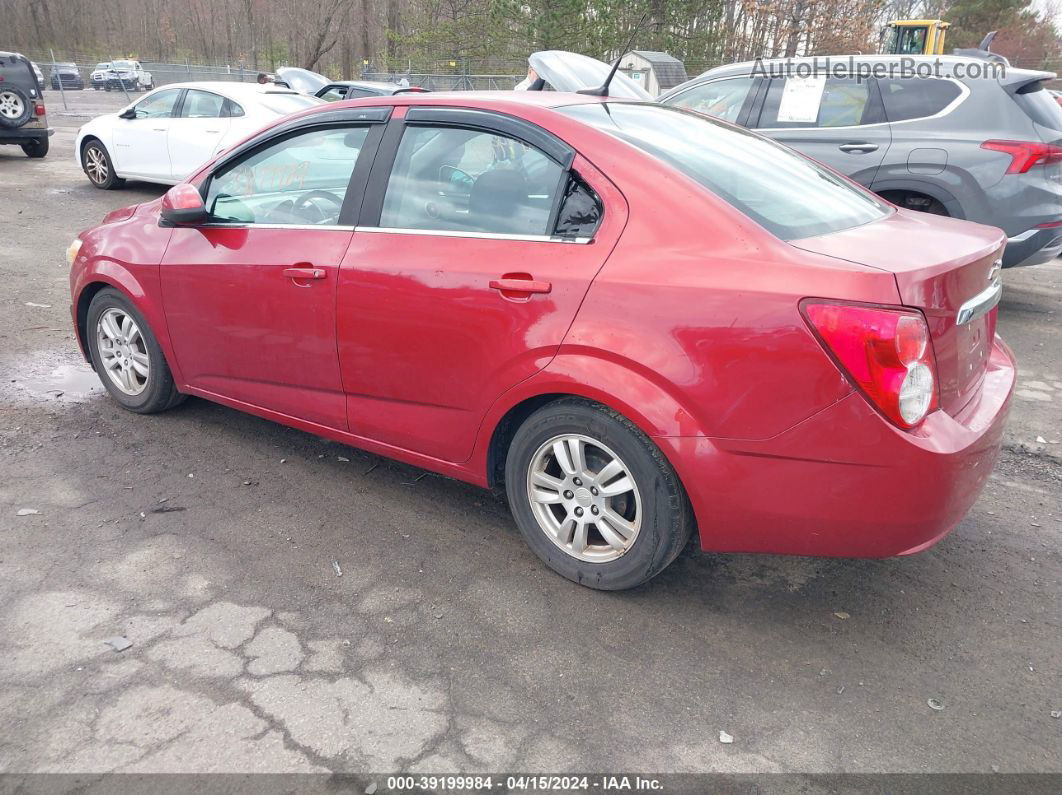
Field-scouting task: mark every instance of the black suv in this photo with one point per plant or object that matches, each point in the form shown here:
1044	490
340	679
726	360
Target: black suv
22	119
68	75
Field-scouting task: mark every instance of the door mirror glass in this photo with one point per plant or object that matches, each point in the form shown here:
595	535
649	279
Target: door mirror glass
182	205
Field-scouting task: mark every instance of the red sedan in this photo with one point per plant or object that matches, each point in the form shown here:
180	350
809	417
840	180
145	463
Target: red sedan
638	319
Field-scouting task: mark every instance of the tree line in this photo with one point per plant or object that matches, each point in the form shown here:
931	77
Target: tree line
347	37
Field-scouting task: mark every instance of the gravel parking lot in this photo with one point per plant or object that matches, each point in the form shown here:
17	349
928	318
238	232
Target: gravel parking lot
212	540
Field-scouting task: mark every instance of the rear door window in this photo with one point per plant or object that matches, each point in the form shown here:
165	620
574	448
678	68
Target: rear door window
202	105
819	101
465	180
722	98
916	97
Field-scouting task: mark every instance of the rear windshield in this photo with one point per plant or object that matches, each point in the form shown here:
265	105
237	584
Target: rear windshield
288	103
783	191
1040	106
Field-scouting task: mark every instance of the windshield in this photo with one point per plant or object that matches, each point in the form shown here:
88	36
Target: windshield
123	64
783	191
103	66
288	103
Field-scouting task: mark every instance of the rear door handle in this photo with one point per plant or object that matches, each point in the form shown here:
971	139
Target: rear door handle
304	273
520	286
858	148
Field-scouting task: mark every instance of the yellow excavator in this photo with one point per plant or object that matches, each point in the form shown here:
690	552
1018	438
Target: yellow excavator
916	37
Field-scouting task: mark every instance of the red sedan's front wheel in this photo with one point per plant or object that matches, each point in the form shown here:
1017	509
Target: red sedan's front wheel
126	355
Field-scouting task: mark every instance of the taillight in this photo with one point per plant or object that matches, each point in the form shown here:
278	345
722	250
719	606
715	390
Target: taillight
39	109
885	352
1026	154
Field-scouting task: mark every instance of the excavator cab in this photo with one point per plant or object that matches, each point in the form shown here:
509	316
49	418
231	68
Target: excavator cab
916	37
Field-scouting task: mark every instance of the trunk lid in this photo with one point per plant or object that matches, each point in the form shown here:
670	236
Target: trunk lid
570	71
947	268
302	80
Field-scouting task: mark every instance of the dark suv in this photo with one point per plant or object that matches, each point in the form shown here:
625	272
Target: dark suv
22	119
66	76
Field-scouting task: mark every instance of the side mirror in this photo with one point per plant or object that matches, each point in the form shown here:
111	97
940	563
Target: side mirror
183	206
128	113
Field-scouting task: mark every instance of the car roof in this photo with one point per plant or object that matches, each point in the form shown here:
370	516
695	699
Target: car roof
838	61
485	99
235	90
364	83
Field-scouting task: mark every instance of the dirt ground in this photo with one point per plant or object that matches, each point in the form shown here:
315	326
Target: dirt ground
211	540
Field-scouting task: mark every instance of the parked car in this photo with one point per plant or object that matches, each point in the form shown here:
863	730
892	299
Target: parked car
166	135
356	89
128	76
639	319
987	150
39	75
23	119
100	75
307	82
69	75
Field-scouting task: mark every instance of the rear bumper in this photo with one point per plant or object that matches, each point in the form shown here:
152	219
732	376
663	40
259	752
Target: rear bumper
1033	247
25	134
845	482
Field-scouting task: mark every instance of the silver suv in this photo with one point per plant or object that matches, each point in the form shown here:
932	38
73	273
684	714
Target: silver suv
985	148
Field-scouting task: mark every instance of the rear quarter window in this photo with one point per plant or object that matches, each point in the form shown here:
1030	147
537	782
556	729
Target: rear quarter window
916	97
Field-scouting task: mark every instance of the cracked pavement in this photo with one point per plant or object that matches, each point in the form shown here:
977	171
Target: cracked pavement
207	538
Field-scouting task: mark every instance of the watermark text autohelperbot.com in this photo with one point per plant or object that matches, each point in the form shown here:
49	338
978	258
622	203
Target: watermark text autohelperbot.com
903	67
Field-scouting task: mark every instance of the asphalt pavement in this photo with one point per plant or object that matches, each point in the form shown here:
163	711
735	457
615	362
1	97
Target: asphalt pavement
296	605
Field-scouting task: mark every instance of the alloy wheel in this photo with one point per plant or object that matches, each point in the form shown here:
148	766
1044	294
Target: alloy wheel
123	351
96	165
11	106
584	498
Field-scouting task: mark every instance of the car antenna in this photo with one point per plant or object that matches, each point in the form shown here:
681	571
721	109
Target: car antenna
602	90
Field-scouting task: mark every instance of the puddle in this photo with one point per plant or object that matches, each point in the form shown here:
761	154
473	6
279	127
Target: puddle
70	383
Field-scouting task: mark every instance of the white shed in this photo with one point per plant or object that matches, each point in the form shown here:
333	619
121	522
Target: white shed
654	71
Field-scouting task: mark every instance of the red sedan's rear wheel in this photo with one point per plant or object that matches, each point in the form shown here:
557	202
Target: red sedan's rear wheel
594	497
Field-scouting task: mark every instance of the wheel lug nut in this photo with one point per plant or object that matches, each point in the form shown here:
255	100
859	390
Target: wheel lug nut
593	510
568	495
593	491
578	511
577	482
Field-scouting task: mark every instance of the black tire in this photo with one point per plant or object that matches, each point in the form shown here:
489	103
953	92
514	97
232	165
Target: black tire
915	201
38	147
666	515
159	392
103	180
15	107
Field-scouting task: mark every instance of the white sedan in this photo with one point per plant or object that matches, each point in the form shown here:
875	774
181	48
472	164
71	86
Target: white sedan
167	134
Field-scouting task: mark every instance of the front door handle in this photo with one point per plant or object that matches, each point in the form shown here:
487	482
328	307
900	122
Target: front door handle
304	273
520	286
858	148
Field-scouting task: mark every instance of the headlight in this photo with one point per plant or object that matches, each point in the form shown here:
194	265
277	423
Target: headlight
72	251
